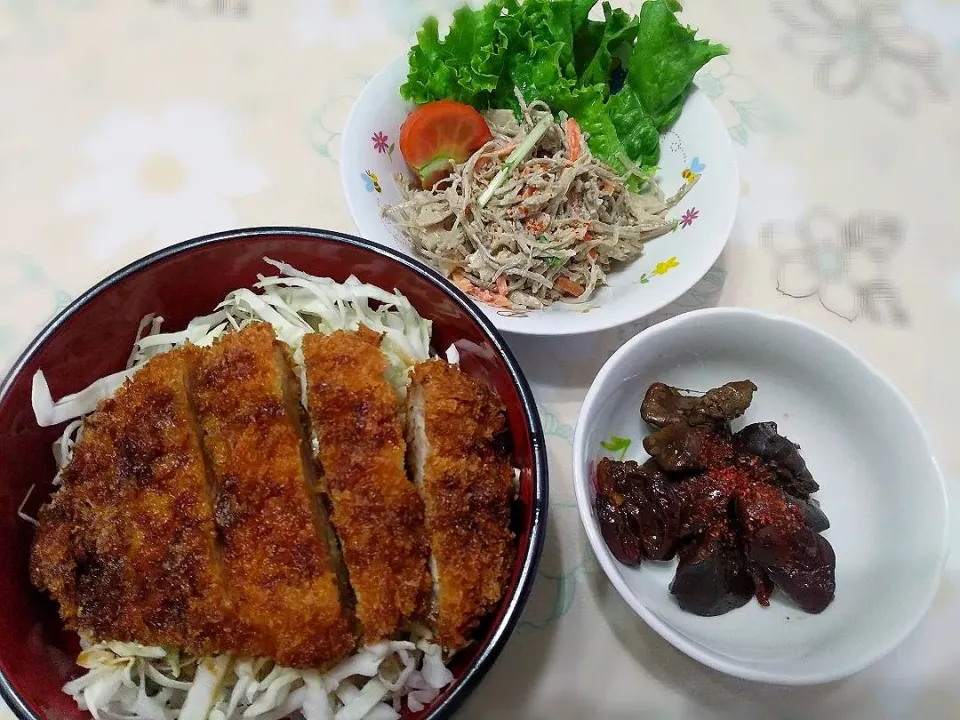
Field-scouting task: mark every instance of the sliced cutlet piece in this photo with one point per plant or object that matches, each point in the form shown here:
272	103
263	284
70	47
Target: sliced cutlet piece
127	546
357	417
452	427
280	562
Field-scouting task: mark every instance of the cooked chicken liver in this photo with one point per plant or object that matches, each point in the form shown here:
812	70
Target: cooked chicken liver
735	508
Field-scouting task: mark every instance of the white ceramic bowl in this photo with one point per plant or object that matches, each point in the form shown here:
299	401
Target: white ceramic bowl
880	487
671	265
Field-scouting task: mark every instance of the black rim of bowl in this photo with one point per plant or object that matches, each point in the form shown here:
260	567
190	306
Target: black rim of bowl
475	673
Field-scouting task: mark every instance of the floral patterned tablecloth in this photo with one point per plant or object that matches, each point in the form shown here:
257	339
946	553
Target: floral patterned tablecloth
129	125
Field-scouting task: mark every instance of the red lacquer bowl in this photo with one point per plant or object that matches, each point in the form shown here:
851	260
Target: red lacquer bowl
93	337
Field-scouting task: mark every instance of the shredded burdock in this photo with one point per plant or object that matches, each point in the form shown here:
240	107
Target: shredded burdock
533	217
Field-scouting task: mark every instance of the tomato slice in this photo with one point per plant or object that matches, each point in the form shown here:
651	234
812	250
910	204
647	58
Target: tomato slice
437	133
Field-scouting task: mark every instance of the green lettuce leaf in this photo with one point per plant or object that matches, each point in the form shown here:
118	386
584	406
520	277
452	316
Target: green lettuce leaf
541	63
665	59
552	51
587	106
429	77
660	75
477	45
619	30
579	12
548	23
468	63
586	42
539	76
635	128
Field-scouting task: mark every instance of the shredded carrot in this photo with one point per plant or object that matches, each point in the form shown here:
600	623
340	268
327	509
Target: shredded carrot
593	253
530	167
492	298
460	280
496	299
537	224
574	139
502	286
569	286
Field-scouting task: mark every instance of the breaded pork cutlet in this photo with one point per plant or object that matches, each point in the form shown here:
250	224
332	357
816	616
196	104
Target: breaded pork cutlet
377	512
452	426
127	546
279	559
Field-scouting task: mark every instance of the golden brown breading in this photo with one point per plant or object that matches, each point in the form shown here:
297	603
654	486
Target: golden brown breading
452	423
377	512
127	547
280	571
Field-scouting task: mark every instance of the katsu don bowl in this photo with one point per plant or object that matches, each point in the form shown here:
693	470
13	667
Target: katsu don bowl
294	474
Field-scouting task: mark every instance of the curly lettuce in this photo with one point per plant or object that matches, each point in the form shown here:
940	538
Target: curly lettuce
551	50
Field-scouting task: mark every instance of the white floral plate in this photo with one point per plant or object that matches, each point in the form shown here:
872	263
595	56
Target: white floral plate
672	264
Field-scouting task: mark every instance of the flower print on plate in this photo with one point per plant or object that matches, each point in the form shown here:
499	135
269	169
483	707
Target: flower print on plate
843	262
380	142
666	266
858	44
165	177
688	218
661	269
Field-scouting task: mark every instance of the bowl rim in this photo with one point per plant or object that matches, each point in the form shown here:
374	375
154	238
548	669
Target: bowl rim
475	672
697	650
352	132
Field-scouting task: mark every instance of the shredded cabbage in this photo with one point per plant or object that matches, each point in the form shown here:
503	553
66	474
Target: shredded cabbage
127	681
294	303
453	355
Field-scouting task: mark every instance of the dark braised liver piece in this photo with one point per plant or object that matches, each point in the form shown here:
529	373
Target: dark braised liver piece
802	564
658	511
735	508
712	577
664	405
790	471
815	518
622	540
762	583
641	502
705	503
679	447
